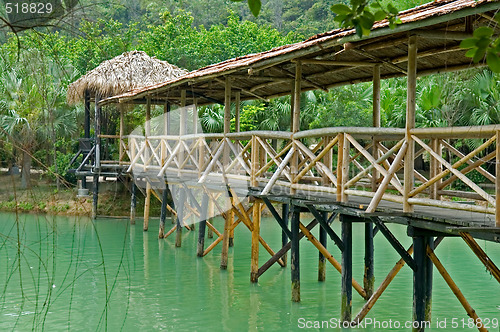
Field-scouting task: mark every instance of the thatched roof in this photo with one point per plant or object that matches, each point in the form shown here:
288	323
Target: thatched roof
130	70
338	57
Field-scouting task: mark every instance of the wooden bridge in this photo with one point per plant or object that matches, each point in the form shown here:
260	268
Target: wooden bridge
365	175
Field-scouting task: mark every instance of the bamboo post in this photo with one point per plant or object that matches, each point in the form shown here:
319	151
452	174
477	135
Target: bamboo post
369	277
122	131
225	237
292	104
497	182
294	256
95	198
327	161
180	217
322	260
163	213
409	164
211	207
147	204
254	268
294	164
376	120
340	163
346	302
182	128
284	236
254	162
97	159
237	102
133	201
203	223
433	169
342	167
147	130
86	128
421	308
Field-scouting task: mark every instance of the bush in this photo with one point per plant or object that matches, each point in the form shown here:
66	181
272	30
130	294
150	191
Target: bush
62	162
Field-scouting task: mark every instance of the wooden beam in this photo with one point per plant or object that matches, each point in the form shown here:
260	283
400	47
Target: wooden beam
442	34
242	89
303	78
483	257
377	59
338	63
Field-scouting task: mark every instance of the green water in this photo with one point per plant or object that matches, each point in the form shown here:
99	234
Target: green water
71	274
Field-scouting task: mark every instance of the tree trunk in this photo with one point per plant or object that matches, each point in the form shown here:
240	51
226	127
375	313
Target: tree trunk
26	172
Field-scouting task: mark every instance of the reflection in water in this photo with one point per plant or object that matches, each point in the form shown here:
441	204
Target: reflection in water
157	287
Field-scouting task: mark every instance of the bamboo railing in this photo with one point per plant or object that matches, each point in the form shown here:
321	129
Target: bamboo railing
337	162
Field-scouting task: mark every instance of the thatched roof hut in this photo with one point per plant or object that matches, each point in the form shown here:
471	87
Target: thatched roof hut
130	70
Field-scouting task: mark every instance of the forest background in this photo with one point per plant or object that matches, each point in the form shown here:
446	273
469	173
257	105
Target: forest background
39	129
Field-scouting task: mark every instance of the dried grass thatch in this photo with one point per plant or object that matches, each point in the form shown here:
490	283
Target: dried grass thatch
130	70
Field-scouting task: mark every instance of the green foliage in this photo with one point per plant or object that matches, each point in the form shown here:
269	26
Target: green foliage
362	15
483	43
62	162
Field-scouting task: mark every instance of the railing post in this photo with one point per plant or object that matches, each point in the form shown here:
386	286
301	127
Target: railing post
342	167
254	162
497	181
327	160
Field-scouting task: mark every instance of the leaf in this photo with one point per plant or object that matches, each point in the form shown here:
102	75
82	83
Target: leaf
469	43
479	55
380	15
341	9
375	5
366	22
254	6
497	17
392	9
483	32
493	62
471	53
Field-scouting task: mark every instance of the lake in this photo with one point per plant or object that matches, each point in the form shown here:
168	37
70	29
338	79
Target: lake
69	273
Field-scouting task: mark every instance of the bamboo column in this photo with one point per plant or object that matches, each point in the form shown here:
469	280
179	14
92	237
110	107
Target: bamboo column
211	210
497	182
421	283
180	217
369	278
225	163
294	163
322	260
163	212
97	159
254	268
284	236
237	102
203	224
409	163
147	130
122	131
133	201
294	256
86	128
346	302
376	120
